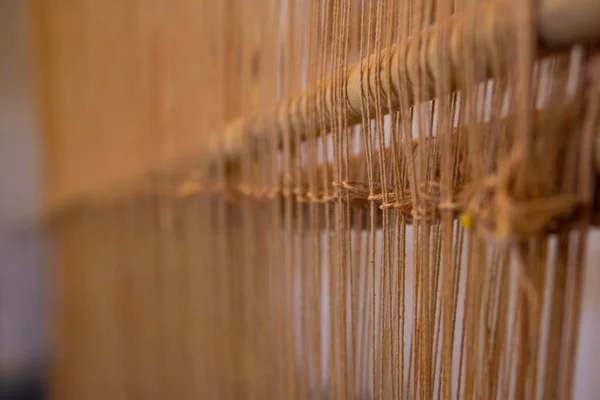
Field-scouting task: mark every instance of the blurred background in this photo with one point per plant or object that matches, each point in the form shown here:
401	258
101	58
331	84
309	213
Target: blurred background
23	258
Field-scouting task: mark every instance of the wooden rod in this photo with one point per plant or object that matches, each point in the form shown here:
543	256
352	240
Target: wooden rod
561	23
355	190
491	20
393	71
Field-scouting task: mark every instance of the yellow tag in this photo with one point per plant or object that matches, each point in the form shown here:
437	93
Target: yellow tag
466	220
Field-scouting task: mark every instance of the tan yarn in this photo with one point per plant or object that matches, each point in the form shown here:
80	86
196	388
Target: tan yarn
317	199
